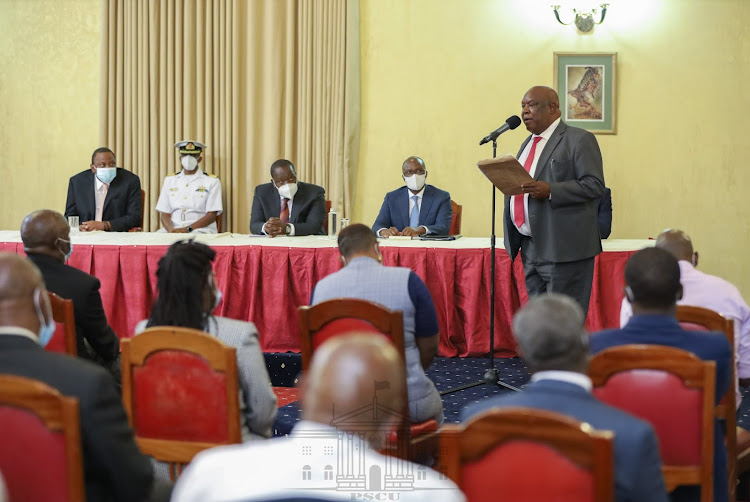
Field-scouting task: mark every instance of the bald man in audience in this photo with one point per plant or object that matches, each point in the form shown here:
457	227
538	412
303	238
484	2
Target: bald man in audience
114	469
652	286
46	241
351	398
708	291
552	341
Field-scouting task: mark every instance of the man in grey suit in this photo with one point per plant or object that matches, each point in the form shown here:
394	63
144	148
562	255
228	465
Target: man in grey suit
554	222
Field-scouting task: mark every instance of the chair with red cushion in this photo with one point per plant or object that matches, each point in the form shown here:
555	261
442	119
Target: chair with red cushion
456	210
513	454
181	394
673	390
40	442
64	338
334	317
702	319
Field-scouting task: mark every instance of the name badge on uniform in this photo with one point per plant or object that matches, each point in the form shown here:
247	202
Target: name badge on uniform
201	189
173	189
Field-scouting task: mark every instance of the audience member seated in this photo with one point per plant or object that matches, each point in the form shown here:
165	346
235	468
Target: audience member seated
708	291
114	468
287	207
187	294
105	197
190	200
349	400
363	276
652	286
552	341
604	217
416	208
46	241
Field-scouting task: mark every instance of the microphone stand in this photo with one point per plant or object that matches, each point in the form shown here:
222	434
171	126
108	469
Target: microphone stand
491	375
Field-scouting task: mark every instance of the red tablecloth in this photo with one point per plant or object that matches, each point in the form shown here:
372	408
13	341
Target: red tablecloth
265	285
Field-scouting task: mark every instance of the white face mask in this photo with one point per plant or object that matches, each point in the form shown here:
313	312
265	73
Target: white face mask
415	181
189	162
287	191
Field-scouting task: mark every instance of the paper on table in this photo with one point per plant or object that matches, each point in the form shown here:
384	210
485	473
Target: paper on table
506	173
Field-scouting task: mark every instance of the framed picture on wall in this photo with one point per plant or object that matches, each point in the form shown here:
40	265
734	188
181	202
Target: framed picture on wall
585	83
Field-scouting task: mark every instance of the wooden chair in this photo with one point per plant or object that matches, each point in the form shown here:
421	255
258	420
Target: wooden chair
181	393
708	320
674	391
456	210
64	339
513	454
40	434
319	322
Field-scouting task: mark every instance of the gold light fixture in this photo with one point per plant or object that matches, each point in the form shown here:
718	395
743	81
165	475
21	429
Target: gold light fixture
584	20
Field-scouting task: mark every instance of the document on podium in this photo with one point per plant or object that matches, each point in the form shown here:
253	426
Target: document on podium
506	173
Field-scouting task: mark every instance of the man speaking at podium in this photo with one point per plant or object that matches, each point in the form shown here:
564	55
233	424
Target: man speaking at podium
554	222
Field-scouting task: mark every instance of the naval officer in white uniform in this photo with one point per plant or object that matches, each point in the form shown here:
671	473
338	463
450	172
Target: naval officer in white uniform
190	200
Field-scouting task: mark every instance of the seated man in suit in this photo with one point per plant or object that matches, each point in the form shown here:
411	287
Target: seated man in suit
190	200
341	388
416	208
105	197
552	341
287	207
46	241
604	217
114	469
396	288
652	286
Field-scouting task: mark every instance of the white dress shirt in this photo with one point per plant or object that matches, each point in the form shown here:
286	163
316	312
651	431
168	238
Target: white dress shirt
525	229
289	205
100	195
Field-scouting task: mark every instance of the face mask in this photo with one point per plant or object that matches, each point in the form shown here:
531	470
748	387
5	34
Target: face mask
106	174
46	329
415	181
70	249
189	162
287	191
217	298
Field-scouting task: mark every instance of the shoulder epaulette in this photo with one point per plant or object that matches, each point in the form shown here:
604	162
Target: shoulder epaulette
212	175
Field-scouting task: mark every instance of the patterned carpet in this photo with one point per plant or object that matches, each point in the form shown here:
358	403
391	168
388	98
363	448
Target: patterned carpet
447	373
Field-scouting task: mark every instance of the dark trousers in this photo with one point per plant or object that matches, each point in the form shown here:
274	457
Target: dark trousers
572	278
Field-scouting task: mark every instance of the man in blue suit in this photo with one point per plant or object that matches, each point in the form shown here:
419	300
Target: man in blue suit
652	286
552	341
416	208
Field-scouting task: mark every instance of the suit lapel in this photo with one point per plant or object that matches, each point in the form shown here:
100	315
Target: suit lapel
90	190
548	149
110	193
296	204
403	206
427	200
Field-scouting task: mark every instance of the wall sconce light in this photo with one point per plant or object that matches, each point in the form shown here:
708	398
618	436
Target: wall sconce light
584	20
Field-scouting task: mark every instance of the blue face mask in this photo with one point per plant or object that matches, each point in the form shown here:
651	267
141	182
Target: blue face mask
106	174
70	249
217	298
46	329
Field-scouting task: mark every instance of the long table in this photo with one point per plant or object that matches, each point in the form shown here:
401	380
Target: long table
264	280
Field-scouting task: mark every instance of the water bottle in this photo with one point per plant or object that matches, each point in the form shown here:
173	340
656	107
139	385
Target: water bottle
332	222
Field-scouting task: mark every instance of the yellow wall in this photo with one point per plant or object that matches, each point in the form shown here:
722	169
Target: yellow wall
437	75
49	100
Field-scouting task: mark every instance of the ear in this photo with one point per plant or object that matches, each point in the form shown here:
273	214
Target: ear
200	158
678	296
93	168
628	294
695	259
343	260
553	107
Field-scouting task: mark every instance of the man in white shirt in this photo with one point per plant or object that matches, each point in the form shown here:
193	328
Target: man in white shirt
190	200
352	395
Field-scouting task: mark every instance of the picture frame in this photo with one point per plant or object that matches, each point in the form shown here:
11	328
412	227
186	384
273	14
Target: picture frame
586	85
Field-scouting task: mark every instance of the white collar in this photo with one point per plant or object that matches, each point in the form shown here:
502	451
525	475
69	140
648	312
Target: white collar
98	182
197	173
419	194
571	377
18	331
547	133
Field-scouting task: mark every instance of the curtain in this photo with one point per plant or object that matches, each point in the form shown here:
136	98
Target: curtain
255	80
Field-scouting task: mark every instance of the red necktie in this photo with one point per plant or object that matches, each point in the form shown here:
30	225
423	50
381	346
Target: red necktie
518	212
284	216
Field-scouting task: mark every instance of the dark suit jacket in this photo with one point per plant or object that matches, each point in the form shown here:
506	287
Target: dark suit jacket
114	468
605	214
564	228
665	330
638	475
122	207
308	208
91	322
434	213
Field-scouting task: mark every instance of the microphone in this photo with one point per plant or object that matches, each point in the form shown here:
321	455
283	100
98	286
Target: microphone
511	123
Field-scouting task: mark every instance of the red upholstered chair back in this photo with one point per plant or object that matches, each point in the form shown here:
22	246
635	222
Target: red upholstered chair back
456	210
180	391
701	319
40	442
674	391
64	339
513	454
